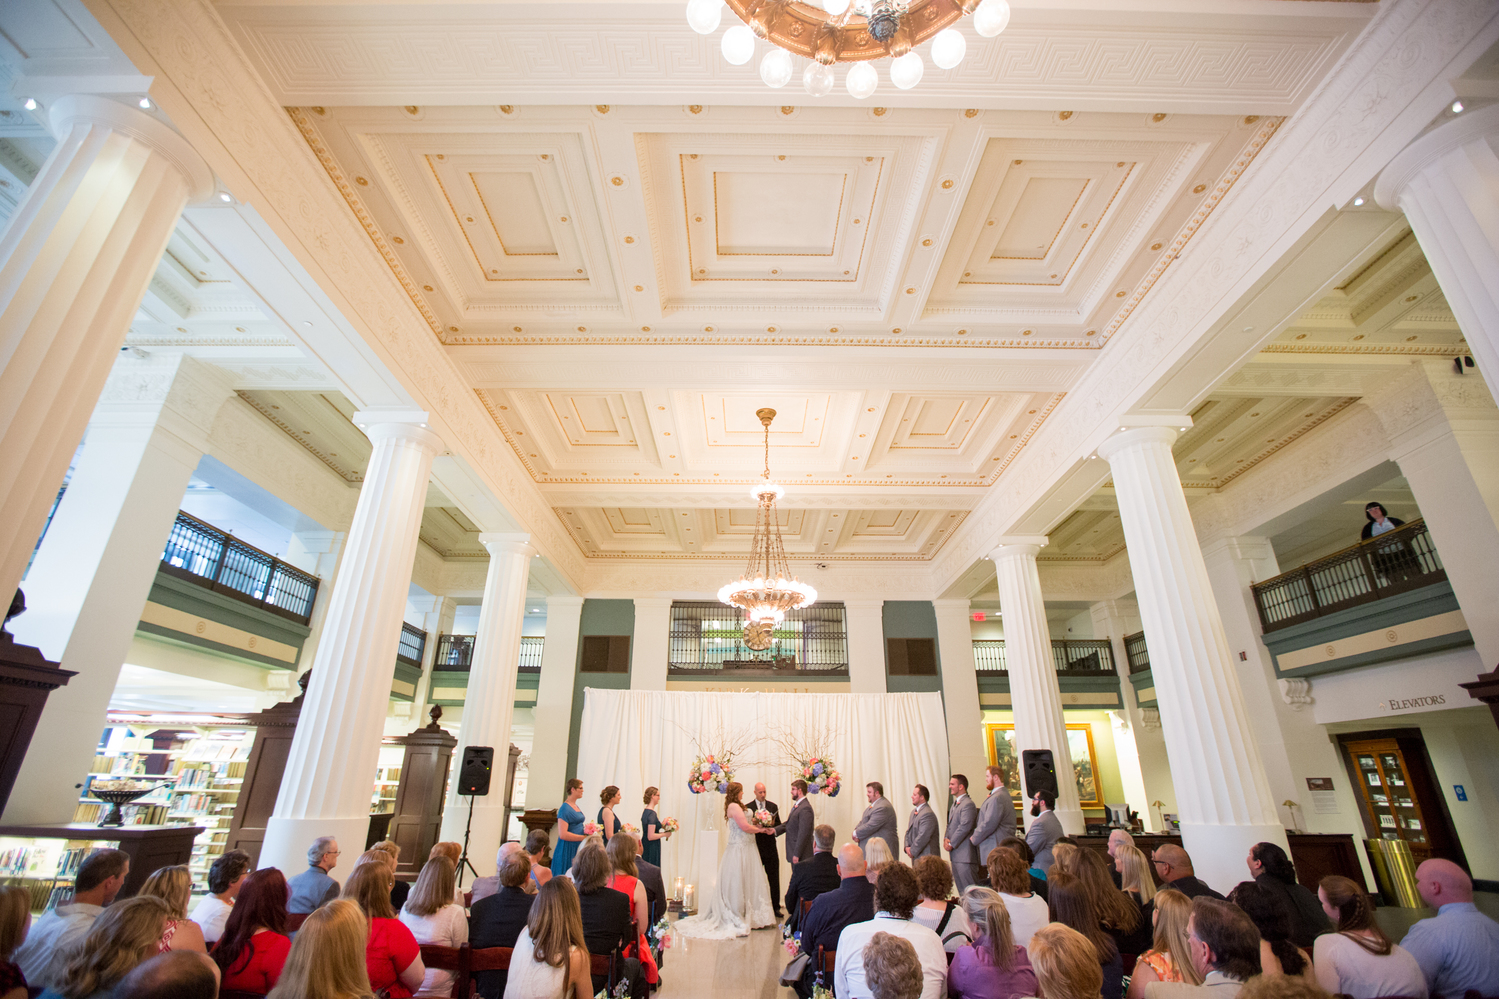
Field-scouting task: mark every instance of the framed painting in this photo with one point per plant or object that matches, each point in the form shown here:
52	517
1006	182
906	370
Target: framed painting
1000	740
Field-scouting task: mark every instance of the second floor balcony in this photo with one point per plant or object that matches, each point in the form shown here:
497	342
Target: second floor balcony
1070	657
455	654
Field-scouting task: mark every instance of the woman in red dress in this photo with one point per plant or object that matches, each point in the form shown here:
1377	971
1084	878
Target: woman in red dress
254	946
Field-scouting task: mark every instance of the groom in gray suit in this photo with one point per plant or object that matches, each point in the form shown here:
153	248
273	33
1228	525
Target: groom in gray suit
798	825
878	820
996	816
962	816
921	834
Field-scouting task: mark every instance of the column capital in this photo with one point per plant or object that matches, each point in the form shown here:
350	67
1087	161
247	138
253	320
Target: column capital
654	603
1018	546
564	601
863	603
964	605
1480	124
1129	437
412	425
500	543
88	109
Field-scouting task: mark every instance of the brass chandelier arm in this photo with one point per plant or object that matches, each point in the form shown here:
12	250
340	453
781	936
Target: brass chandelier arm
803	29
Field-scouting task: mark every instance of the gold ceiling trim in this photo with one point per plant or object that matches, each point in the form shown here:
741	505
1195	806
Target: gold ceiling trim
350	476
759	340
807	31
1397	349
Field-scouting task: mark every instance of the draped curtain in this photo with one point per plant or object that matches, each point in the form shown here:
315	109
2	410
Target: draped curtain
641	738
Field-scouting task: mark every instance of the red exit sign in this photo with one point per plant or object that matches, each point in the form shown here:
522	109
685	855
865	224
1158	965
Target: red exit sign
978	615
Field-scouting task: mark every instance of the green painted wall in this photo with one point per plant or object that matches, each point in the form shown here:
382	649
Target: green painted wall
911	619
600	617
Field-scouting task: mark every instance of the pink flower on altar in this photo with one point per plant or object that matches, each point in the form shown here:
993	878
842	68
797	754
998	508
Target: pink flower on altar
806	772
712	760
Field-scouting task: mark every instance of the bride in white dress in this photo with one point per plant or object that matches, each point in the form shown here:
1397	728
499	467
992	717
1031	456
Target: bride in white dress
742	899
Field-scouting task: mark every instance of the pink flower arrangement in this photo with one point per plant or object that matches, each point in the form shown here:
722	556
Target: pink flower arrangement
669	825
589	828
763	819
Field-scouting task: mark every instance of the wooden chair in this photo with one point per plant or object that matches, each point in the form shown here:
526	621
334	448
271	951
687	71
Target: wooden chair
825	962
468	900
454	959
805	905
294	920
606	964
237	994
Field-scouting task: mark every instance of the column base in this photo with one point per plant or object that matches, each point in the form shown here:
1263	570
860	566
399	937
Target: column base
287	840
1220	854
1073	823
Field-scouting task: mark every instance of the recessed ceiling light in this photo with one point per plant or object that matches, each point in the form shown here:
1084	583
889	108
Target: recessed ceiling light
145	103
30	104
225	196
1457	107
1357	202
306	322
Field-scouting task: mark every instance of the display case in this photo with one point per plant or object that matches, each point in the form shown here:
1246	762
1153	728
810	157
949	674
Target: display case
44	859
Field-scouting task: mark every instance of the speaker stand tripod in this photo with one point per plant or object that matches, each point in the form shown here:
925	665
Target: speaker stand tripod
463	860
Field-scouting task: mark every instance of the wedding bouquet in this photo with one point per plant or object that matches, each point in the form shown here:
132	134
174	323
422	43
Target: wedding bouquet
710	774
762	819
589	828
821	776
630	829
669	825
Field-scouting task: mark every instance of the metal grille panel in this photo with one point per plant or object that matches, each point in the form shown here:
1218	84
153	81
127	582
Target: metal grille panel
413	644
706	635
1137	652
201	552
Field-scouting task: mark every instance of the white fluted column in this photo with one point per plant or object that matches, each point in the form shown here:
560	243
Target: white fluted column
960	693
554	703
1221	789
1141	752
489	704
651	657
1035	693
326	788
74	263
1447	184
865	621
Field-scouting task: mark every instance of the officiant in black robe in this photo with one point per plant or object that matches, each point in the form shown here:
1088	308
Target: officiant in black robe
769	857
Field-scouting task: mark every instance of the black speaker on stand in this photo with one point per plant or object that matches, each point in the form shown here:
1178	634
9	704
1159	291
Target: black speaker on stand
1040	772
473	781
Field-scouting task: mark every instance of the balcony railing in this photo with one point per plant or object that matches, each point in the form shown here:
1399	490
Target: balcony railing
455	653
203	554
706	635
1069	656
413	644
1137	653
1396	561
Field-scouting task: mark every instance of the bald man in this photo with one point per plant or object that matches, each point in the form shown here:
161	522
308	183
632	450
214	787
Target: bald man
1458	949
769	858
485	887
852	902
1173	868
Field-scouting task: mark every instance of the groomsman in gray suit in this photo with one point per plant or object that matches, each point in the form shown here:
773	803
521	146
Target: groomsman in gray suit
878	820
921	834
962	816
996	817
798	825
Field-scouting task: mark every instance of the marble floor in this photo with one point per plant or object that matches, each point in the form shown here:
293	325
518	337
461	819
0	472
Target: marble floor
746	968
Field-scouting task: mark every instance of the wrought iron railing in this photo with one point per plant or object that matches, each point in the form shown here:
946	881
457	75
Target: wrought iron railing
706	635
1396	561
1137	653
1067	656
203	554
413	644
455	653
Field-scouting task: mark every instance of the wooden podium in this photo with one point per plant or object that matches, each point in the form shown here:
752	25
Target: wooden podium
274	729
420	795
26	678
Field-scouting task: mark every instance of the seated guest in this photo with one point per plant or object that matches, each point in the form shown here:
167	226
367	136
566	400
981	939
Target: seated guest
994	966
891	967
895	895
650	876
15	920
537	843
622	850
224	879
489	884
813	876
402	889
497	920
1359	960
1135	875
1117	912
434	918
174	885
454	853
1458	949
851	902
1072	905
1281	987
1169	958
935	909
313	887
607	924
1021	847
550	959
392	957
1273	871
876	855
254	946
1066	964
180	975
1118	838
1225	951
1028	911
124	935
1174	868
327	958
49	943
1062	855
1267	909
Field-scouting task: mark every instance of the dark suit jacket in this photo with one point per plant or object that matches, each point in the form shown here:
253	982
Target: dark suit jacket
809	879
766	844
1307	917
496	921
606	924
798	829
655	888
1188	886
852	902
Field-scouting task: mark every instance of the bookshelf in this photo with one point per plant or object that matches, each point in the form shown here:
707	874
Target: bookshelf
387	780
45	867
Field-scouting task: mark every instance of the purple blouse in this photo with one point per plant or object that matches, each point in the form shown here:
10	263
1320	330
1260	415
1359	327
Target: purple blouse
974	976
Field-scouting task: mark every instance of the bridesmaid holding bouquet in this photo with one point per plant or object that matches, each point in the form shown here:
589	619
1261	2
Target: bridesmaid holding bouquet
570	829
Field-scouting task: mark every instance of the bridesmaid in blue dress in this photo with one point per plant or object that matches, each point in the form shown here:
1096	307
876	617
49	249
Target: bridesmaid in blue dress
609	823
650	828
570	822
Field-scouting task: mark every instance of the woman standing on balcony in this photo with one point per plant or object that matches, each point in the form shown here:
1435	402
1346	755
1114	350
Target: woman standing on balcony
1394	560
1378	521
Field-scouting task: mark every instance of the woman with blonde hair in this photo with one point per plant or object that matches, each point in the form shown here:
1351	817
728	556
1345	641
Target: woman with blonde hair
876	855
15	920
1066	964
125	934
993	966
392	957
1170	956
327	958
1135	873
174	886
434	918
550	959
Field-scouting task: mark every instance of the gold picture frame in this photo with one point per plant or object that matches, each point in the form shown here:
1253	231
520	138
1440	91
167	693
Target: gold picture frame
1000	745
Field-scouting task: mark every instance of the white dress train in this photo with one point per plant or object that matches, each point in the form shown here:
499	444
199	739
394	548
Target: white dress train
742	899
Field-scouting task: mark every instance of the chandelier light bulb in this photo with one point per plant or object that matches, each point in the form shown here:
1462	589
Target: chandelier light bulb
906	71
818	79
835	7
704	16
991	17
775	68
738	44
862	80
948	48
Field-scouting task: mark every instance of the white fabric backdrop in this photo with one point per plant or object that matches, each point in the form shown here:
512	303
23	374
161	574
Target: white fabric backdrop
639	738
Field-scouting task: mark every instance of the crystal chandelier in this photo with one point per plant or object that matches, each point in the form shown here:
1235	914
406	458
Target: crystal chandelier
855	32
767	590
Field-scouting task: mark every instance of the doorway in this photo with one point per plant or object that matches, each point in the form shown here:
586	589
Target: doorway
1399	796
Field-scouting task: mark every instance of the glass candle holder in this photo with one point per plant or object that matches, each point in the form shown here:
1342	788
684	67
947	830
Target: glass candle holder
676	889
689	898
